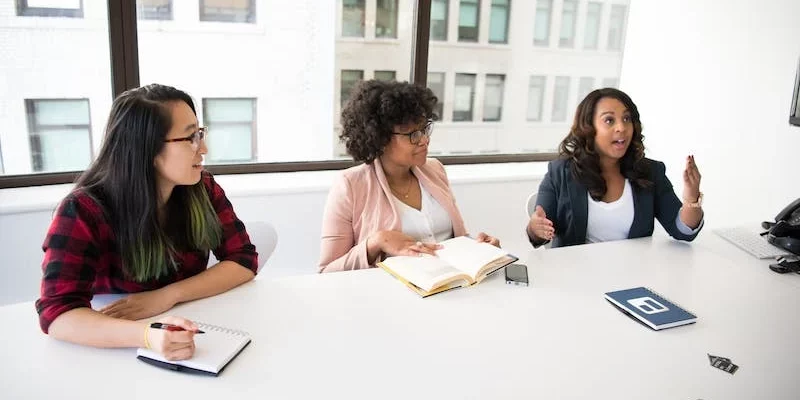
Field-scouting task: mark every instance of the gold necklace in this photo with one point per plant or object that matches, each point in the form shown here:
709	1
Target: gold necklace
408	188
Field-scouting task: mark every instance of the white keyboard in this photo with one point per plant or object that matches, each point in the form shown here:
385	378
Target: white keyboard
751	242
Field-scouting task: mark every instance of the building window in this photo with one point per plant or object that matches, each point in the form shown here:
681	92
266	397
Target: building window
593	13
541	27
243	11
616	27
353	13
439	12
585	85
498	22
463	97
50	8
231	129
611	83
386	75
154	9
436	85
468	13
386	19
350	77
60	134
493	97
535	97
560	95
569	12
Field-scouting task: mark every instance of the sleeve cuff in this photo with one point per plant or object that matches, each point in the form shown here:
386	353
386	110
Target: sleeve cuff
684	229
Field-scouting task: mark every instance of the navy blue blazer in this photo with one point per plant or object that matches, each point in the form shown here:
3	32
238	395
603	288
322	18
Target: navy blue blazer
565	202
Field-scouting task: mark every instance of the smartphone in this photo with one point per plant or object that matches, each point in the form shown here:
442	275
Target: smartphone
517	274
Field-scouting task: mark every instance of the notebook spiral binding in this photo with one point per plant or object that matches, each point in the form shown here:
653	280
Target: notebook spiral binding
670	300
216	328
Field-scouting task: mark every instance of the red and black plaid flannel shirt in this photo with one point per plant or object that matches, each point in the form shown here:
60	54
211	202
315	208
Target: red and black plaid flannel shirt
81	257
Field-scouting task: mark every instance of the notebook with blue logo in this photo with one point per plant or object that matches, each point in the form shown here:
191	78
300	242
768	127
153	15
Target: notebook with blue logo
650	308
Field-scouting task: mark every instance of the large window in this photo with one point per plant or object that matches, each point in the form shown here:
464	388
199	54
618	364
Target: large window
468	17
228	10
436	82
439	12
50	8
592	32
353	14
60	134
231	130
270	77
464	97
386	19
498	21
493	97
616	27
154	9
541	26
569	14
535	97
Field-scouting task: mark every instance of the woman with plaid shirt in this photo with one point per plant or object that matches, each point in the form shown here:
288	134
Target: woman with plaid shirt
141	220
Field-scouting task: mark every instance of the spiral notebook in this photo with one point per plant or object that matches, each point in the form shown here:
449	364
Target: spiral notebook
650	308
214	350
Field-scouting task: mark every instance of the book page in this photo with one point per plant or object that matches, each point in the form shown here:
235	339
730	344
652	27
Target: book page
469	255
427	272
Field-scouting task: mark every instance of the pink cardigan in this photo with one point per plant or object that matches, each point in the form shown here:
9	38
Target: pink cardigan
360	203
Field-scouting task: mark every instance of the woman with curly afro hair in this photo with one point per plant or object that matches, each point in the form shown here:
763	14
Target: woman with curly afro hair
603	188
398	202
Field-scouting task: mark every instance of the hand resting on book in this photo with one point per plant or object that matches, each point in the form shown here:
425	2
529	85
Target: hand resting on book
394	243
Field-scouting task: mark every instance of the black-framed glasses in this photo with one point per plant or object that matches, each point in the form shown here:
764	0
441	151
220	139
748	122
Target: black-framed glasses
416	136
195	138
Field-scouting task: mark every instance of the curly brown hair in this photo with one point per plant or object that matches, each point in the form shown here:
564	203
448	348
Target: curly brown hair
579	146
375	107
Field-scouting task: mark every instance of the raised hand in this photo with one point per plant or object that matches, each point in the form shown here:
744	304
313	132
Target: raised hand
691	181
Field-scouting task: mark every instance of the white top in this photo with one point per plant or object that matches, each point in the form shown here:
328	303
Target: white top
369	336
430	224
610	221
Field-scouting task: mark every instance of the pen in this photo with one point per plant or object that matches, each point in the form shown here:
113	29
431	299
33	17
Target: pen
170	327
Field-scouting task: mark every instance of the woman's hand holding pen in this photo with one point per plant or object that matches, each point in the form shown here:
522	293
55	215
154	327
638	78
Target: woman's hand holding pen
540	226
171	343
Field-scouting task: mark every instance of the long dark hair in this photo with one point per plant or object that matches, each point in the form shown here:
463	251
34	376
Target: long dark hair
373	110
579	146
123	182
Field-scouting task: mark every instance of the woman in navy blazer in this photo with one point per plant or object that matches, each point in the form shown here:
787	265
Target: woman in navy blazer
603	188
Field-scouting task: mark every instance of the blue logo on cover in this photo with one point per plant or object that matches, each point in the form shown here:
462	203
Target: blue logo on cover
648	305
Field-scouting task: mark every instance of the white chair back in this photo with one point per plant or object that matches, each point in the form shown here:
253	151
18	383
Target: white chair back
530	204
264	236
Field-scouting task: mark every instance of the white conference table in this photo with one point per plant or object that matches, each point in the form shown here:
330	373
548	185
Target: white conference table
362	335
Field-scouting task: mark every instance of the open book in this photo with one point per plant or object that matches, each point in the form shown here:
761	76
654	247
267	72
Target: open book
462	261
214	349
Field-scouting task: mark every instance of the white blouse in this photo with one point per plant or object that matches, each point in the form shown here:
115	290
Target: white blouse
610	221
430	224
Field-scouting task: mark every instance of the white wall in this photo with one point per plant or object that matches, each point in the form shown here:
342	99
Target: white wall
491	198
714	79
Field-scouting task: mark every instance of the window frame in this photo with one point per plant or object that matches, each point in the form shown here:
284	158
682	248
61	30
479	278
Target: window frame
507	23
24	11
124	62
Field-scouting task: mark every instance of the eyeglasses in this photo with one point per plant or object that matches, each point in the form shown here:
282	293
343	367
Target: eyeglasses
195	138
416	136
